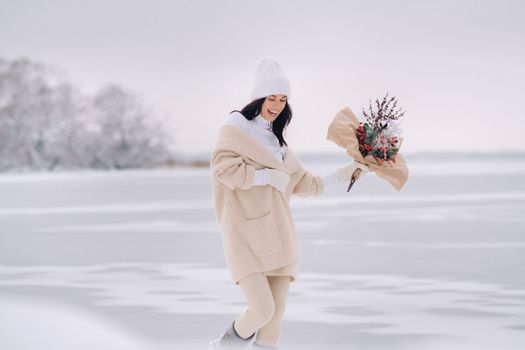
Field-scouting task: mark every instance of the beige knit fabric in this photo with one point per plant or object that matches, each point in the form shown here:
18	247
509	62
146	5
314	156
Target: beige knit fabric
256	223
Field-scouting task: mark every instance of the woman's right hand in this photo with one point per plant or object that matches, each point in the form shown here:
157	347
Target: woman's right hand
345	173
278	179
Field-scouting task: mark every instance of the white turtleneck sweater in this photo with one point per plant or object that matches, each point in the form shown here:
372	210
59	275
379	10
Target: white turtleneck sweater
261	129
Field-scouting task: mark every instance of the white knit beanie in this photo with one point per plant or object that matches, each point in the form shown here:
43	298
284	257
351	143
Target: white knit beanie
269	79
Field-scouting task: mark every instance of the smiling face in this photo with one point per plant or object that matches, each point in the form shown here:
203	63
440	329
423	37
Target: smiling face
273	106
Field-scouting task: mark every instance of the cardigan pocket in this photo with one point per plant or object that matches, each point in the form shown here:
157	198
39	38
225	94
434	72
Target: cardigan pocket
263	235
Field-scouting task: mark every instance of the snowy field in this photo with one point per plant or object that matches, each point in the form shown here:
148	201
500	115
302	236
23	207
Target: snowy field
134	260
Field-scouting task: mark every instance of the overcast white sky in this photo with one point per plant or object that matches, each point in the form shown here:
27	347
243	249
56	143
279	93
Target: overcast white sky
458	67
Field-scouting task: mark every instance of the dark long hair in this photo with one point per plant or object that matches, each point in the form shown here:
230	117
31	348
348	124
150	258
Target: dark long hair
252	109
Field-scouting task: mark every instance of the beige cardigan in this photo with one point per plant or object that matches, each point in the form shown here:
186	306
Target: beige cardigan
256	223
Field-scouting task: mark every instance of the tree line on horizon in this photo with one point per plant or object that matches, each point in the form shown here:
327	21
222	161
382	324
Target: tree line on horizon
46	123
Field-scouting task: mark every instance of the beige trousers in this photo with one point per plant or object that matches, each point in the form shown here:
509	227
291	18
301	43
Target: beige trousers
266	299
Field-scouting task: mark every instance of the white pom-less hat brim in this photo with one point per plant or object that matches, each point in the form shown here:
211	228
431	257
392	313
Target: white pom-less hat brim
271	86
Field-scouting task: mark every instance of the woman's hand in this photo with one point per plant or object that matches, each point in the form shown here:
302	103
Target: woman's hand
278	179
345	173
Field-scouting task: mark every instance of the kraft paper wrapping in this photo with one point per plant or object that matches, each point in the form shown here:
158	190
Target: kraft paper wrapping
342	131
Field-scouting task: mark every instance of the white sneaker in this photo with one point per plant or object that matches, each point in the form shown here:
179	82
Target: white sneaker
230	340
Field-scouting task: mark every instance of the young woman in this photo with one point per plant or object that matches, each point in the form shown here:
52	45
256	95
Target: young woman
254	174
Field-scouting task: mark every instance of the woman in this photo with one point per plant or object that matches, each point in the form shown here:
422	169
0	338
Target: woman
254	173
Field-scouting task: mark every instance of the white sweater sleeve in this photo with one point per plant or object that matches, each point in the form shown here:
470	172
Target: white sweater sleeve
261	178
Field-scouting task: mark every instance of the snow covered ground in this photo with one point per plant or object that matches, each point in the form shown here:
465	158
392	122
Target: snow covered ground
133	260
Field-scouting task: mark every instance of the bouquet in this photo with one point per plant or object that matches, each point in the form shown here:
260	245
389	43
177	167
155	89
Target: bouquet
375	142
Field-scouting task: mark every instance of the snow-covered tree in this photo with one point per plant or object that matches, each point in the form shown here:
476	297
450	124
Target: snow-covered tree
127	136
46	123
34	109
